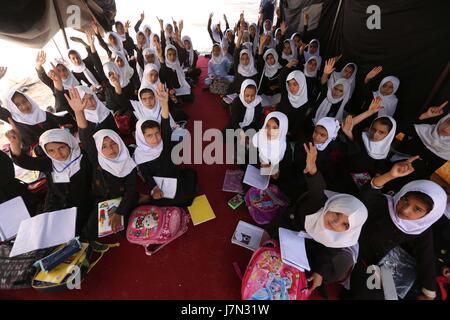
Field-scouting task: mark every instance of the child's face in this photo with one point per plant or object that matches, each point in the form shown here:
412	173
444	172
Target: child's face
23	104
272	129
244	60
148	32
112	40
57	151
148	100
75	58
120	62
444	128
293	86
311	65
411	208
152	136
313	48
155	40
110	149
153	76
297	40
338	91
249	94
171	55
267	25
62	71
141	38
229	35
336	221
320	135
169	29
150	58
270	59
216	51
91	103
187	45
387	88
252	30
347	73
120	29
378	131
287	48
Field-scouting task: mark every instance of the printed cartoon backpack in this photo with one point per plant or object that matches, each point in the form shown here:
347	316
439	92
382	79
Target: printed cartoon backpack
265	205
268	278
154	227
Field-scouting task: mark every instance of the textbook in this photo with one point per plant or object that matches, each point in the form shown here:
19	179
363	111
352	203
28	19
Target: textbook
247	235
12	213
254	178
293	251
201	210
105	209
233	181
168	186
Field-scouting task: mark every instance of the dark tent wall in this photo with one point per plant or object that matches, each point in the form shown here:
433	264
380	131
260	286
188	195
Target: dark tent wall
412	44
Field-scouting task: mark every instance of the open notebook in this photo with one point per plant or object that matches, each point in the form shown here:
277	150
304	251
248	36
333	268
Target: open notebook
293	251
12	213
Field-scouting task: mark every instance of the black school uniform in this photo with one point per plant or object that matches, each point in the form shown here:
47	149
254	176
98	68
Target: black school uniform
106	186
108	123
94	65
379	235
76	193
164	167
269	86
116	102
193	72
333	264
238	113
235	86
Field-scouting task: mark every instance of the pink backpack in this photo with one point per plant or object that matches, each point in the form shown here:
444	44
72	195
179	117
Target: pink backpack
268	278
154	227
265	205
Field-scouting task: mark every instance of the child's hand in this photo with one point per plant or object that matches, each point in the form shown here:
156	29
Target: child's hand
157	193
404	168
75	101
115	221
311	157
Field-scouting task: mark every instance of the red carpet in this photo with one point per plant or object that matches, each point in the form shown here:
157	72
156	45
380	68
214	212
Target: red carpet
199	265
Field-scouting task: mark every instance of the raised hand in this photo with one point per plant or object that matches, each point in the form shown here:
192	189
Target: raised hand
127	26
375	106
142	16
283	27
3	71
292	63
162	94
404	168
54	74
306	18
95	27
89	38
75	101
161	23
14	138
347	127
311	157
181	25
329	66
373	73
211	15
40	59
433	111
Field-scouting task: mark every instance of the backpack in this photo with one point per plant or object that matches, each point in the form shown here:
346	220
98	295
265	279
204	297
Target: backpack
17	272
219	86
265	205
154	227
268	278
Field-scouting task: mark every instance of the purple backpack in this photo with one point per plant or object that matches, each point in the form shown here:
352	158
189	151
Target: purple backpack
265	205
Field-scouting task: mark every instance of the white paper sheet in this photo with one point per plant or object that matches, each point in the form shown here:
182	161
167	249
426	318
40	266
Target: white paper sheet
44	231
293	251
254	178
247	235
12	213
167	185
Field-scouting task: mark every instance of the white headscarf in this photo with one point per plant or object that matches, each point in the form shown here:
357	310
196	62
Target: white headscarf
332	126
326	104
145	82
248	70
36	116
294	52
72	164
217	36
184	86
271	70
434	142
145	27
335	76
126	71
429	188
112	67
84	70
379	149
346	204
148	42
225	43
100	113
70	81
389	102
275	36
249	107
142	112
150	51
118	47
122	37
272	150
219	59
308	55
301	97
314	73
190	51
168	36
144	152
266	31
123	164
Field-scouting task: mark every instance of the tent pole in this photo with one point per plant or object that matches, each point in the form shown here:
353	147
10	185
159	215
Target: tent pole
334	22
54	42
61	24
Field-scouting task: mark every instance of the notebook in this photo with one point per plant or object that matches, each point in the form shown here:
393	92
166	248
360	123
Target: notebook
254	178
167	185
248	236
293	251
201	210
233	181
12	213
105	209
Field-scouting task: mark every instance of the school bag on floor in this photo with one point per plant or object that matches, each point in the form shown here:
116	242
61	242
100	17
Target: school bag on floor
219	86
154	227
268	278
265	205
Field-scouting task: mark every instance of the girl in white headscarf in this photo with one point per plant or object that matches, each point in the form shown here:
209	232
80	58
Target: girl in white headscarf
333	104
189	63
173	74
289	52
119	86
405	220
82	71
115	43
244	68
348	73
67	77
386	91
126	72
218	66
150	78
330	226
269	68
314	51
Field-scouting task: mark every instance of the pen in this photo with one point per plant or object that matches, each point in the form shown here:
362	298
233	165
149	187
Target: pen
162	184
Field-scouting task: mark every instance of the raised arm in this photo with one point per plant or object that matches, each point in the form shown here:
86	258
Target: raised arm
398	170
138	24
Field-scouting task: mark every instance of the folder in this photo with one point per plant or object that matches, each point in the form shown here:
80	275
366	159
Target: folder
201	210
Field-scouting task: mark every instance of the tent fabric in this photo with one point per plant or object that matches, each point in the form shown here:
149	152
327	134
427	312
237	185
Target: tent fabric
32	23
412	44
